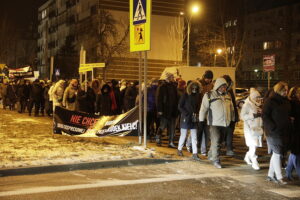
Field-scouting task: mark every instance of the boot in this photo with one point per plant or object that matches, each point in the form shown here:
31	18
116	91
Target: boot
179	153
195	157
247	159
255	164
171	145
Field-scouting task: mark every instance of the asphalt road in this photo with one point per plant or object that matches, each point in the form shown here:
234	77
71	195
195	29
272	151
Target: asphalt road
180	180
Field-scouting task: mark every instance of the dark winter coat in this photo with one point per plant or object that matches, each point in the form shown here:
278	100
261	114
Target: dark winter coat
36	92
81	104
167	100
295	137
189	105
24	92
91	100
11	94
236	113
276	120
118	98
103	102
151	98
130	97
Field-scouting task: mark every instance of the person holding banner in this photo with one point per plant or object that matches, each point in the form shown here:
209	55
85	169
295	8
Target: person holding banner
70	93
57	93
103	102
189	107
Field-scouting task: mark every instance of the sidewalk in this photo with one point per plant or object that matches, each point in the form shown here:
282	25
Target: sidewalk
28	142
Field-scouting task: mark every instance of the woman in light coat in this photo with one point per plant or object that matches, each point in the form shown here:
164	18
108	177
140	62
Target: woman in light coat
70	95
252	117
57	93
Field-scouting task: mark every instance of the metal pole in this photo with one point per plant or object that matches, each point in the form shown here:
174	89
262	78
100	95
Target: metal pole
140	98
268	80
188	45
51	67
145	100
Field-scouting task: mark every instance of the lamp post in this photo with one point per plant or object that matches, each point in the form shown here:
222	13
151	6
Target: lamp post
219	51
194	10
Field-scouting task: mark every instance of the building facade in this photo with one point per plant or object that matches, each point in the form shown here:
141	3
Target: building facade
66	26
272	31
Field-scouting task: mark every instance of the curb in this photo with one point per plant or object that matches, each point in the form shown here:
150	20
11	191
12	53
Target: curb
81	166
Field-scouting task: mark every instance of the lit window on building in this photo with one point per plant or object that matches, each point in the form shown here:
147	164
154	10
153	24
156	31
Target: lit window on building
267	45
44	14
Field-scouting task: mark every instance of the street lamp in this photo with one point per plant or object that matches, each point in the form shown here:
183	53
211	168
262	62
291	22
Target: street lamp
194	10
219	51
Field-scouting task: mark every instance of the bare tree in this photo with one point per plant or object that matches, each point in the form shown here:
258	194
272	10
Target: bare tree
106	39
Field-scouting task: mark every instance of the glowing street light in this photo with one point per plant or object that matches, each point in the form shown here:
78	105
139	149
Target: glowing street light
194	10
218	51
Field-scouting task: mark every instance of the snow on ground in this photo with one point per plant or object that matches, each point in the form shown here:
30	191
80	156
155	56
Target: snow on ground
28	141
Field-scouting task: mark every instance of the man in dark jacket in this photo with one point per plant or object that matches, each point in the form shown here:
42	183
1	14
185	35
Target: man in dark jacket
36	95
167	102
130	96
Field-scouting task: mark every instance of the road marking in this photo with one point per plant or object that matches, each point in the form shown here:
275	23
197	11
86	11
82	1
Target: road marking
106	183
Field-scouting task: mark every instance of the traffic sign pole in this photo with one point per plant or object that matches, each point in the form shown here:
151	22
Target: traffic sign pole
140	97
145	100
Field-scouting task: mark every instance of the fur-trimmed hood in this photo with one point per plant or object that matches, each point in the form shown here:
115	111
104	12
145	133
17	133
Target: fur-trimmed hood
191	84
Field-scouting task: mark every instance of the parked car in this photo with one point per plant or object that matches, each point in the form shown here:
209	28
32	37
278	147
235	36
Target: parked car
241	95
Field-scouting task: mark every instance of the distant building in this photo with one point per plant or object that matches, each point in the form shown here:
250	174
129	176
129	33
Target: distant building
66	25
272	31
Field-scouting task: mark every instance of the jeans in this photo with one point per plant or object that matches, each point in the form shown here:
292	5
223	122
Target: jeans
293	163
170	125
275	166
183	133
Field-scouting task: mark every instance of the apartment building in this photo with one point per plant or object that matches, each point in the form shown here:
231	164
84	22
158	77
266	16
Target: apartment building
66	25
272	31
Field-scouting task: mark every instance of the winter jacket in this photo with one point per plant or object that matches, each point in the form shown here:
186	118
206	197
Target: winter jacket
167	100
36	92
58	92
251	124
130	97
11	94
103	102
216	108
151	97
295	137
277	124
69	97
81	104
189	105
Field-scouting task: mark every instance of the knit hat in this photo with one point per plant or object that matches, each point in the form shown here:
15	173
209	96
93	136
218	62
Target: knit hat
208	74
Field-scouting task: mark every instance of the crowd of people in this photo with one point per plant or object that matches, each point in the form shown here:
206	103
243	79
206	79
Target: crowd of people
204	110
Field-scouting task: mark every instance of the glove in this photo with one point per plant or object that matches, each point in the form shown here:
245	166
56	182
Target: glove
256	115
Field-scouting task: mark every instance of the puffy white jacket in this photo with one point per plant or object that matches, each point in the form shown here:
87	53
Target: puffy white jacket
250	124
217	109
57	93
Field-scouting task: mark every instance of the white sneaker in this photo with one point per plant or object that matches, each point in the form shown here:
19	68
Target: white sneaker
255	165
247	160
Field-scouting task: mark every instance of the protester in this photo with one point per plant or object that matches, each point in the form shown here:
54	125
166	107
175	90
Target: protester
103	102
11	95
277	124
218	109
131	95
189	106
36	94
70	93
203	131
152	124
294	157
253	130
24	95
48	101
229	136
43	101
167	102
81	104
57	93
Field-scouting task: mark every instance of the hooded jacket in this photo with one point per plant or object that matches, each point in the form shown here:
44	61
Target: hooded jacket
250	122
188	105
217	108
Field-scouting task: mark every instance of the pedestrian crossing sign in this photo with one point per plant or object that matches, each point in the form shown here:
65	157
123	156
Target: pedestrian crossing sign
139	34
140	13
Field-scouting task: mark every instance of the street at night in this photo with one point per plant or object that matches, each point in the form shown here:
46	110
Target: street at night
150	99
